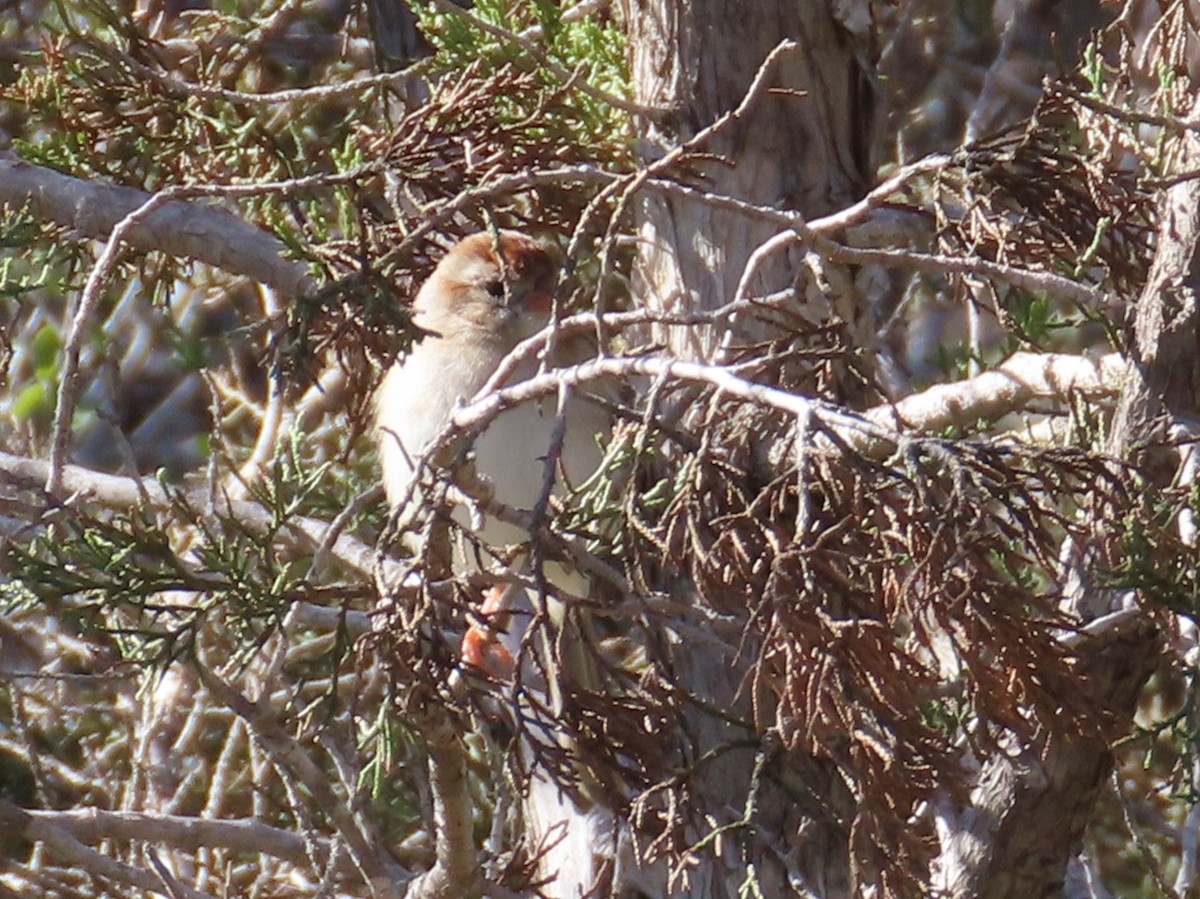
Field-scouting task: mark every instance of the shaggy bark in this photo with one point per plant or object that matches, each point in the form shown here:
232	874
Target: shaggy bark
803	147
800	145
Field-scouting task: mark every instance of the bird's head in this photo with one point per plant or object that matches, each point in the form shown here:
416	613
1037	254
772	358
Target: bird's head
494	285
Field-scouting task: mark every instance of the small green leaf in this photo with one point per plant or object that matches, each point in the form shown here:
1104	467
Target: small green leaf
31	401
46	345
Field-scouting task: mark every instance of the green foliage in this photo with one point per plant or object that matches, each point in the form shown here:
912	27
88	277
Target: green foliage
37	397
953	362
104	574
597	49
107	574
1035	321
100	102
1032	316
1154	559
1093	66
394	751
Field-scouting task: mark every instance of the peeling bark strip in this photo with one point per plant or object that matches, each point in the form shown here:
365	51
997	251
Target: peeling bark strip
798	146
1164	368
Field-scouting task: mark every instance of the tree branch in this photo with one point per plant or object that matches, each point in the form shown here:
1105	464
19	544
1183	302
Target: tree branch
365	850
64	844
1023	378
187	230
94	825
1013	385
454	869
120	492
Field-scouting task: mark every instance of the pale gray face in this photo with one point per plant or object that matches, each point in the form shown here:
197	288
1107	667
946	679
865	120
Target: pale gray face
503	295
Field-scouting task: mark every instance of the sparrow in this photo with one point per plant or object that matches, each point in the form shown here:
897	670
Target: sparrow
491	291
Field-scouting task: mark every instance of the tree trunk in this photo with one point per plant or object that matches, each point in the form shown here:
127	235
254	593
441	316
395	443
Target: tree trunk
801	145
1028	812
804	147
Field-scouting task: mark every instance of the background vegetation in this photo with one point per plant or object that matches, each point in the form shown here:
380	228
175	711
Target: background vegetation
222	675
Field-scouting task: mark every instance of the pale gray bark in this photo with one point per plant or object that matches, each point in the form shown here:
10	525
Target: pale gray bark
802	147
798	145
805	151
1028	811
188	230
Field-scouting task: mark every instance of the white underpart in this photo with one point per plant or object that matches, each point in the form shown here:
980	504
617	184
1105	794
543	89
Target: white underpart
417	399
414	406
570	841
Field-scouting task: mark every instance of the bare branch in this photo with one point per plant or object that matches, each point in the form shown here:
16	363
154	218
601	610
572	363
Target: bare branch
120	492
928	263
94	825
1024	377
856	212
65	845
454	869
64	411
365	850
204	233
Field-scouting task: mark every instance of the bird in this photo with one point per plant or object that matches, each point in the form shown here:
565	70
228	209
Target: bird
486	295
492	290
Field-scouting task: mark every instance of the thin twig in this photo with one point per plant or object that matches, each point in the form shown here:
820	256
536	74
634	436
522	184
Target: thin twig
310	96
1177	124
120	492
271	421
929	263
365	849
81	317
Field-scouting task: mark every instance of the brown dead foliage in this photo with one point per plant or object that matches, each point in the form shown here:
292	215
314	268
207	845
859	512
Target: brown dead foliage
882	622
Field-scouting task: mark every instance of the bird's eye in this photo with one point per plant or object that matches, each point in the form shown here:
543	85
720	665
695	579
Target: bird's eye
495	289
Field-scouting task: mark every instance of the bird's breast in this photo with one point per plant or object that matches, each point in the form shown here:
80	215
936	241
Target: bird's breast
512	454
418	397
